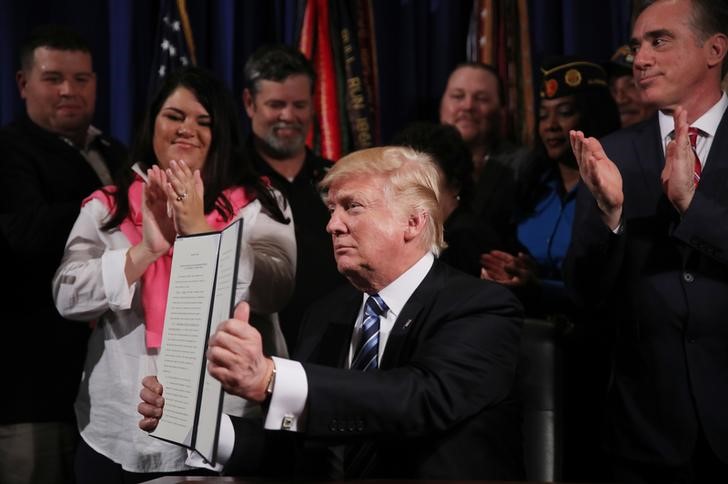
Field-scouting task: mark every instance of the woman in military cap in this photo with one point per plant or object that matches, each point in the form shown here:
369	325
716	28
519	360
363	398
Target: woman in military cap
573	95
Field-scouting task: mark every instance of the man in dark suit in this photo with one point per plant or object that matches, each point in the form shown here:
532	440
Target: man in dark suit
436	399
51	158
650	245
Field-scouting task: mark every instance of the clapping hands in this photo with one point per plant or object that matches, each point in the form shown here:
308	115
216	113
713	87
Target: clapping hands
176	193
507	269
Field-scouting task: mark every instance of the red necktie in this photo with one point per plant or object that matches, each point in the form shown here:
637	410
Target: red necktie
697	169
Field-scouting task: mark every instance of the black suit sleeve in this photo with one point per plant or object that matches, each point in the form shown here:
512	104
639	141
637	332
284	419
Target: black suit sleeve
703	225
260	452
595	254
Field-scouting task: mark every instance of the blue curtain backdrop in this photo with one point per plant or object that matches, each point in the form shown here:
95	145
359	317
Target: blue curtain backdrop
418	43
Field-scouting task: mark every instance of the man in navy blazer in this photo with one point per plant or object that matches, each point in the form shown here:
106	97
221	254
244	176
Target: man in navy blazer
439	403
650	245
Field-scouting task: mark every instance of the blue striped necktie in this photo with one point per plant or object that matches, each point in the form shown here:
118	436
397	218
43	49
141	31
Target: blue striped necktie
367	353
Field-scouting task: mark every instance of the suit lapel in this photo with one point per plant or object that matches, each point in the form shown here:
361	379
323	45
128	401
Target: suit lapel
411	318
643	190
651	156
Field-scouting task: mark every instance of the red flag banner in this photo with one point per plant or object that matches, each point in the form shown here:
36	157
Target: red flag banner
315	43
338	37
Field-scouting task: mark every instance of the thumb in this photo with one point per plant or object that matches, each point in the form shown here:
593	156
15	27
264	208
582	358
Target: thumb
667	169
242	311
145	195
670	153
199	186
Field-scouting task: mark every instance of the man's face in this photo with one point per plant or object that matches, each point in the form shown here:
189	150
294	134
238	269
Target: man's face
281	114
470	103
670	64
368	234
627	96
59	91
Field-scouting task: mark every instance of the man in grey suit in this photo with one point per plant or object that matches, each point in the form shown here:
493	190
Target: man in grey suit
435	397
650	248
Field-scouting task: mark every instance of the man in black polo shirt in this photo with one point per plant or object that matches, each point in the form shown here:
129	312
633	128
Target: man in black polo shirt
278	98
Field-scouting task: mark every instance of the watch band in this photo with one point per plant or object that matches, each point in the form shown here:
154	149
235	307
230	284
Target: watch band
271	382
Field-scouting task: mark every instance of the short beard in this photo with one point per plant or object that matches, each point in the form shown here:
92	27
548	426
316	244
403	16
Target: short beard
278	149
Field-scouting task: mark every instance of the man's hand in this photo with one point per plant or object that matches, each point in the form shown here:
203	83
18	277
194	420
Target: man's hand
678	175
507	269
152	404
235	357
600	175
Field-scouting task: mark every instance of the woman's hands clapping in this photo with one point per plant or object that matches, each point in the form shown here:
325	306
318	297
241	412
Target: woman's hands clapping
185	194
182	194
158	231
172	204
507	269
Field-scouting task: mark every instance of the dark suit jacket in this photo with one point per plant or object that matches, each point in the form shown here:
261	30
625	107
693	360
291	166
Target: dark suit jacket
440	407
42	183
664	283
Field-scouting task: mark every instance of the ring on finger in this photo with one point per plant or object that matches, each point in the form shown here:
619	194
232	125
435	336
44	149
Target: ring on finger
181	196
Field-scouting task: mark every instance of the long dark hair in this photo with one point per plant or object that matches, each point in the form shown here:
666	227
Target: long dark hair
225	166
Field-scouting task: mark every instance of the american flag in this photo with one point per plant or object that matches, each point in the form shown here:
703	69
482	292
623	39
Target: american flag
174	46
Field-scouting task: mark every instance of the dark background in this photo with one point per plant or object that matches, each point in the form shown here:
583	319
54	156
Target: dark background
418	43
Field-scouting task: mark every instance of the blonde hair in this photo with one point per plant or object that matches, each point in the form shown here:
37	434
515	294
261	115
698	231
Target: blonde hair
413	183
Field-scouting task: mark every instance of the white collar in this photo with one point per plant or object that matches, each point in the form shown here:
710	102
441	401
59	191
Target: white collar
707	123
92	132
398	292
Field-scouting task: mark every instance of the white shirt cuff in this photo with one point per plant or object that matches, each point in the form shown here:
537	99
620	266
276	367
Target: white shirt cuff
290	392
118	292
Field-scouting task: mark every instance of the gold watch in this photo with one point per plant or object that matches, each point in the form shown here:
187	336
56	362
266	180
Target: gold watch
271	382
